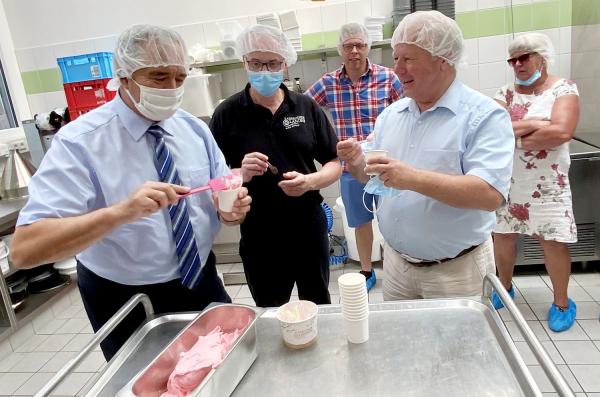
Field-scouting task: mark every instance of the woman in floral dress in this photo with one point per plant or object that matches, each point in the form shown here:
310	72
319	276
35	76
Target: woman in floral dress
544	110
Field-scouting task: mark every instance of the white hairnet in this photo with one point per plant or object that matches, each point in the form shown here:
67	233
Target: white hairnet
267	39
533	42
146	46
432	31
353	30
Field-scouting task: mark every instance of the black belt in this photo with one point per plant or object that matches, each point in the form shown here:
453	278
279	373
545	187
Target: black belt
436	262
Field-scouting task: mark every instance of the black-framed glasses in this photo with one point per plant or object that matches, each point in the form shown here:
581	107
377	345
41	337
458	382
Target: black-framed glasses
349	47
522	59
257	66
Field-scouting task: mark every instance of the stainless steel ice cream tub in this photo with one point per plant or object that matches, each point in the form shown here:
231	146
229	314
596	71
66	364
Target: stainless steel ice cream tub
220	381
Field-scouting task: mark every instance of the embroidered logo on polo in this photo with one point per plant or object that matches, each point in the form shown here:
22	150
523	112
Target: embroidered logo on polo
293	121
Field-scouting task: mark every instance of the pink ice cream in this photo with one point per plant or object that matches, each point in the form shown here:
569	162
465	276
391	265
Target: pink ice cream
207	353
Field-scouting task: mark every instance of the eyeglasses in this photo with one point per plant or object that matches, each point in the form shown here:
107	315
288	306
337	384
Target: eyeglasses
522	59
350	47
272	66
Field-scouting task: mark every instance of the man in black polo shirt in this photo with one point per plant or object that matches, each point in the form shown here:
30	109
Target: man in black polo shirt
275	136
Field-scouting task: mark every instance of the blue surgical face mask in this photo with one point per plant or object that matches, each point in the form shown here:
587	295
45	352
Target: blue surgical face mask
534	77
375	186
265	83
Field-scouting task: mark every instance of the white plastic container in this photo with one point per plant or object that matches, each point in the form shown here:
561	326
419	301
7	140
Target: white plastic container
351	237
298	331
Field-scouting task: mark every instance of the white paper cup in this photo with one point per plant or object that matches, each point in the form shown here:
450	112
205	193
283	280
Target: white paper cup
299	331
357	331
351	281
373	154
227	198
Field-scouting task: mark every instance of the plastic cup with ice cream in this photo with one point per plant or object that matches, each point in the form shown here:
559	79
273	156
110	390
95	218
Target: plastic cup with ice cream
298	321
229	195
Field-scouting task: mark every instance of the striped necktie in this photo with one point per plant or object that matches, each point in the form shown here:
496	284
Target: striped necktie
190	265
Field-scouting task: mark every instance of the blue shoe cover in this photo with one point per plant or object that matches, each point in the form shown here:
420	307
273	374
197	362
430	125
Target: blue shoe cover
496	299
562	319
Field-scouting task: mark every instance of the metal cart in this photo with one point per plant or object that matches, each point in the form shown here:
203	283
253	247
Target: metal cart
441	347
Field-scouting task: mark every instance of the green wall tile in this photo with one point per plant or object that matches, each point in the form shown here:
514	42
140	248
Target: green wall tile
586	12
467	22
51	80
545	15
312	41
388	30
331	38
565	13
31	82
493	22
522	18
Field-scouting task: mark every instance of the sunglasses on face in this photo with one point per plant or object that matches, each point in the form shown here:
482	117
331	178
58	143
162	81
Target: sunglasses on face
521	59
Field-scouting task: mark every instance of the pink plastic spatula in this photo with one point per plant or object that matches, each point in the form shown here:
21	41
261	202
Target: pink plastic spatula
217	184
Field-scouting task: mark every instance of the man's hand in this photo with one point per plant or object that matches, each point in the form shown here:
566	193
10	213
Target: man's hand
295	184
253	164
241	207
349	151
393	173
149	198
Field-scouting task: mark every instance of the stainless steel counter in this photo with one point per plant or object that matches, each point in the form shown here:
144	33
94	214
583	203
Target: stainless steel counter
9	211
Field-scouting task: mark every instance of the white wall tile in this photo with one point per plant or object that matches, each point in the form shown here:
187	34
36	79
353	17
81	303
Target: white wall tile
492	3
465	5
582	38
492	75
492	48
26	60
309	19
471	51
581	67
333	16
565	40
211	34
519	2
45	58
490	92
356	11
470	76
55	99
192	34
381	8
37	103
554	35
105	44
335	62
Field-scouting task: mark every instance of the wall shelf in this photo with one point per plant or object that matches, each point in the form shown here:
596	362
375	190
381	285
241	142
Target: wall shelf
324	50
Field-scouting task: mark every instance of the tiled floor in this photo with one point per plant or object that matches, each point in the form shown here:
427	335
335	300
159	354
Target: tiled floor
56	335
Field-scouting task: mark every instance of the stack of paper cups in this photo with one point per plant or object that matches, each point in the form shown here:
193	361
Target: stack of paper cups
355	306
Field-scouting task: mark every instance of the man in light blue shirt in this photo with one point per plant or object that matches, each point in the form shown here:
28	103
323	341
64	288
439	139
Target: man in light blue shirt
448	167
108	192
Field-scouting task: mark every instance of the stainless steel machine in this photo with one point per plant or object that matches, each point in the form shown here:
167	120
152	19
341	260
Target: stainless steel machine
584	176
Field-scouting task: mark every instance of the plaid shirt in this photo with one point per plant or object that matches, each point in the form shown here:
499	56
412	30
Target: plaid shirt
354	110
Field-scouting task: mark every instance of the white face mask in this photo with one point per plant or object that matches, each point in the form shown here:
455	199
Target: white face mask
157	103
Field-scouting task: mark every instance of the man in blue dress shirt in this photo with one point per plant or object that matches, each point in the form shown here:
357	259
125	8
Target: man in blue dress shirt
108	192
448	167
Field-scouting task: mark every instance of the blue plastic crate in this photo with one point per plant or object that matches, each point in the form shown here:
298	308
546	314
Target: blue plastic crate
86	67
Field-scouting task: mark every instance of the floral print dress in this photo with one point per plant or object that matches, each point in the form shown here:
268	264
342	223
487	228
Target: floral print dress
539	201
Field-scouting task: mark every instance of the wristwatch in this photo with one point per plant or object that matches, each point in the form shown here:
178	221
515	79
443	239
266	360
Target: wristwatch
520	142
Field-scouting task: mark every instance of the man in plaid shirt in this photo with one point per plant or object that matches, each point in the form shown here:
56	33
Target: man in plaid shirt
355	94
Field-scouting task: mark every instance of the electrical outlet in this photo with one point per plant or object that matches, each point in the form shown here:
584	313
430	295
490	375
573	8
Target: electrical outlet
20	145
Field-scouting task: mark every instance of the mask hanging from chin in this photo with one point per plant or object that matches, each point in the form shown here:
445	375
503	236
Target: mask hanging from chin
157	103
534	77
265	83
